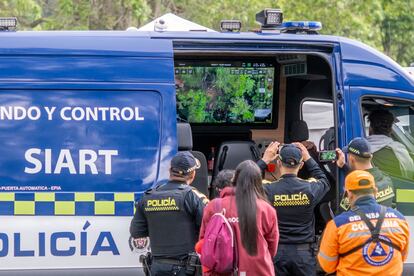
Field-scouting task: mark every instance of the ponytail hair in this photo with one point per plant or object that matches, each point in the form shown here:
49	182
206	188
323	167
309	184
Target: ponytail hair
248	182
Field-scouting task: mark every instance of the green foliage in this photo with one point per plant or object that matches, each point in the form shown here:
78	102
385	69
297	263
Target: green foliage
193	103
193	80
68	15
224	97
236	90
233	85
384	24
28	12
240	111
396	22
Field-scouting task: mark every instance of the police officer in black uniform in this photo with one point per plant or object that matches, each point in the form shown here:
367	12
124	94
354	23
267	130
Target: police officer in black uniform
295	199
360	158
171	216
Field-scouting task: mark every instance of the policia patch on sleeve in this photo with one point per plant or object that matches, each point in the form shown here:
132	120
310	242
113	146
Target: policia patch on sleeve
199	194
311	180
345	203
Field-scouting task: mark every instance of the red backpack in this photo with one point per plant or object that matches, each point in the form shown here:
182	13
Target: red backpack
219	250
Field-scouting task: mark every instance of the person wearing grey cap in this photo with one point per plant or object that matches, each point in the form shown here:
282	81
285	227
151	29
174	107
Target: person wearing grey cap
359	155
295	200
170	215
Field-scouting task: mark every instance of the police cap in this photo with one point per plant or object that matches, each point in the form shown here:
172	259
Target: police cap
184	163
360	147
290	155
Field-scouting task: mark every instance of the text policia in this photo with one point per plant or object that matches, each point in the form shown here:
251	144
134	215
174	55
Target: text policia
87	158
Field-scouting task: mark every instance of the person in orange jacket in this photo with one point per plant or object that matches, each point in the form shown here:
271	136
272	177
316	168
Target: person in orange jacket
370	239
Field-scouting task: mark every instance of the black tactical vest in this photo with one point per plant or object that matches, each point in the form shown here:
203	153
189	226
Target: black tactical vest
172	229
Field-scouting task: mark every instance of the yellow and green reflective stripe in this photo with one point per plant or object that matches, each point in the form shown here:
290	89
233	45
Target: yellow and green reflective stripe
6	196
64	208
24	208
67	203
405	196
85	197
124	197
104	208
46	197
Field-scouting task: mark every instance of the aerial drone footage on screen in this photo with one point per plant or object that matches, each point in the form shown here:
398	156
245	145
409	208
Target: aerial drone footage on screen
225	92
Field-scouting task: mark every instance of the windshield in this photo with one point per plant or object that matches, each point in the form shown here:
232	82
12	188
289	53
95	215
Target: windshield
403	128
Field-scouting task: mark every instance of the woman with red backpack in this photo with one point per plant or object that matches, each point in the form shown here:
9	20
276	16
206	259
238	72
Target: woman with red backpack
251	221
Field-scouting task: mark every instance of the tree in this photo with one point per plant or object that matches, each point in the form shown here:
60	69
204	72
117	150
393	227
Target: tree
384	24
396	23
28	12
93	14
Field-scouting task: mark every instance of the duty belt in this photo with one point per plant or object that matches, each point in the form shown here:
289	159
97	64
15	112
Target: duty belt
298	246
170	261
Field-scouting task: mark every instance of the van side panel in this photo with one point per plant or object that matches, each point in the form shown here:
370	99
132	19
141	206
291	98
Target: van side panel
365	66
82	69
80	43
89	145
87	124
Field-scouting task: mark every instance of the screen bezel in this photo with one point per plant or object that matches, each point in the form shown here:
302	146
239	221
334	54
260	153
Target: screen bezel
276	90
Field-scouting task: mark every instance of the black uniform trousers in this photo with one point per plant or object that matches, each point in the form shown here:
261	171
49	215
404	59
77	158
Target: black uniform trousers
164	269
295	260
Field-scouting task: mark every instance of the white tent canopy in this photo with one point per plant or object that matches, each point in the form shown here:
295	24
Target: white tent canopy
173	23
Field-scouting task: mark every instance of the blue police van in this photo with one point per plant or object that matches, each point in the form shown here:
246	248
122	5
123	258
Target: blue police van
88	122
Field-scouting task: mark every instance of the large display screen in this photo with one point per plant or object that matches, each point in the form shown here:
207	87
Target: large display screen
225	92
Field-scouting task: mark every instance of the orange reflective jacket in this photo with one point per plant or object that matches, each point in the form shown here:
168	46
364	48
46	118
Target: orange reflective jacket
347	231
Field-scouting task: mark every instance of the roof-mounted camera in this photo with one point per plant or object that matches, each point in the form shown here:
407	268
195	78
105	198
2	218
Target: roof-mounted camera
270	19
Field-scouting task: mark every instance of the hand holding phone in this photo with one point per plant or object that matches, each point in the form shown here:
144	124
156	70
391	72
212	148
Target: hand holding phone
340	162
327	156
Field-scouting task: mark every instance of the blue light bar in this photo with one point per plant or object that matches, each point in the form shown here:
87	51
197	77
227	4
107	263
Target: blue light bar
301	26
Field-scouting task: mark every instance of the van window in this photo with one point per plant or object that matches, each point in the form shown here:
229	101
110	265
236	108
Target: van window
319	117
390	131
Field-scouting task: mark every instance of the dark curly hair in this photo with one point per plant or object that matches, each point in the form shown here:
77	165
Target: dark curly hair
381	121
223	179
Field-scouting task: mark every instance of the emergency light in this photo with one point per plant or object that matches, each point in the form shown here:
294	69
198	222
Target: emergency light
301	26
8	23
230	26
270	18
